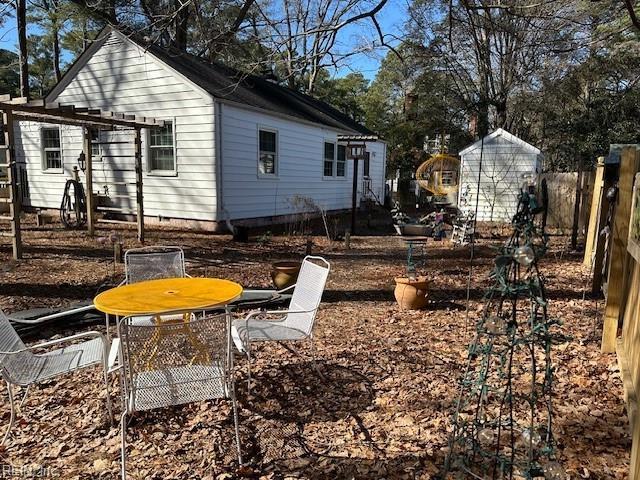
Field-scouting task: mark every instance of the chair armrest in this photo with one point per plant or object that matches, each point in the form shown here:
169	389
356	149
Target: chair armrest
92	334
290	287
50	343
255	313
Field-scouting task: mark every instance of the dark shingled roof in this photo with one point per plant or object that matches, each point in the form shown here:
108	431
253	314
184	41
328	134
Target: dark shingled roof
228	84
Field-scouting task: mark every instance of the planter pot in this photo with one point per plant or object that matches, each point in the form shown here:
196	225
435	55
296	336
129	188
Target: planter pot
285	273
414	229
411	294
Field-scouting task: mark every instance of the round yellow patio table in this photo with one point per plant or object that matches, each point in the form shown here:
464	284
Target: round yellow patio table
167	295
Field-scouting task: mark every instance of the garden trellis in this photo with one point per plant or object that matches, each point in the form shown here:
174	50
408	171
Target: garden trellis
17	109
503	421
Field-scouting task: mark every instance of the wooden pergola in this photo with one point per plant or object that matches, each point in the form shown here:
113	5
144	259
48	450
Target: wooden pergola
16	109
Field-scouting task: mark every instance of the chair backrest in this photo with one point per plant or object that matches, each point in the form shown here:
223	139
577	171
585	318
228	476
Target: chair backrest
12	365
151	263
308	293
175	362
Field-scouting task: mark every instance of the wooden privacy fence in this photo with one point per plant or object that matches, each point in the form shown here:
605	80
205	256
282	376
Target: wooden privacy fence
615	262
562	199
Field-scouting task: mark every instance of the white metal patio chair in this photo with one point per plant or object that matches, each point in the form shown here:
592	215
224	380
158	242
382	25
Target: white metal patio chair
20	365
151	263
173	363
293	324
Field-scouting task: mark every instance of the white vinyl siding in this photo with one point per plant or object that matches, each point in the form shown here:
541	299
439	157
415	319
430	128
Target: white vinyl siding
51	149
122	77
300	167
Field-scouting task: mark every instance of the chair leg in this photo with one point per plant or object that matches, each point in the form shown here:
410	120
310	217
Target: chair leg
13	412
313	360
105	373
248	350
235	421
123	445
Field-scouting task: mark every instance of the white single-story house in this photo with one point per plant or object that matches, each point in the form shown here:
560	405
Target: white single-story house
235	147
507	162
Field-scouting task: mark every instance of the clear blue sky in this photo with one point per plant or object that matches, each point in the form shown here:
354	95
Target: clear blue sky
391	19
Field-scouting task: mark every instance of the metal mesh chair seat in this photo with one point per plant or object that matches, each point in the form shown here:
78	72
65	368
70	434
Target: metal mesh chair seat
25	370
175	386
262	331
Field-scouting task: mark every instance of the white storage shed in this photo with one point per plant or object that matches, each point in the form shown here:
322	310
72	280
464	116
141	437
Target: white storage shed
500	162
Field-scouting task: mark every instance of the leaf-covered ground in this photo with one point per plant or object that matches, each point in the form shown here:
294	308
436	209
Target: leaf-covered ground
384	411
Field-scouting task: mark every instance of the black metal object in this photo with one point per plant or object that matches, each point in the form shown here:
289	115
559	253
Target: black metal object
73	208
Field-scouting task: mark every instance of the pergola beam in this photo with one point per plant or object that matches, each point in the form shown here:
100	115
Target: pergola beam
39	110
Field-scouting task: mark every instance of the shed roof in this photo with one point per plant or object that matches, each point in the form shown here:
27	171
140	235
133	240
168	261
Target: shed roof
224	83
507	136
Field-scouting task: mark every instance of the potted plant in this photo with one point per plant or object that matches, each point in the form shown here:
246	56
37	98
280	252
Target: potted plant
285	273
411	292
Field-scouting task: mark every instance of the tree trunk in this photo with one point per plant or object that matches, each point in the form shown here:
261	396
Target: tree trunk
56	54
21	17
501	114
85	35
483	119
181	26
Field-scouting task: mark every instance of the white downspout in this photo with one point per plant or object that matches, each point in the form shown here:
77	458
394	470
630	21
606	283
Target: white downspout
221	211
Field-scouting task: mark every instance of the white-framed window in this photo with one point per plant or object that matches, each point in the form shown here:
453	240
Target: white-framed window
329	159
161	149
96	148
341	161
267	152
448	178
51	149
334	160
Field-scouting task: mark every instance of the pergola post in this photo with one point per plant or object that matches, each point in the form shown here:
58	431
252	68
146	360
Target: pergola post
139	196
89	180
354	195
14	201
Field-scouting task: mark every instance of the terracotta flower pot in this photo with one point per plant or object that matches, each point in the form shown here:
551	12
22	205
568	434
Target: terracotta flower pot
411	294
285	273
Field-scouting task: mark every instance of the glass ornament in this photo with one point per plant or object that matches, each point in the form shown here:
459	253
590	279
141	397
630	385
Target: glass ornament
554	471
486	436
524	255
530	438
494	325
528	181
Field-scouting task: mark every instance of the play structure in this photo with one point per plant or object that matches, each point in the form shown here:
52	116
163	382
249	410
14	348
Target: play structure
439	175
438	178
